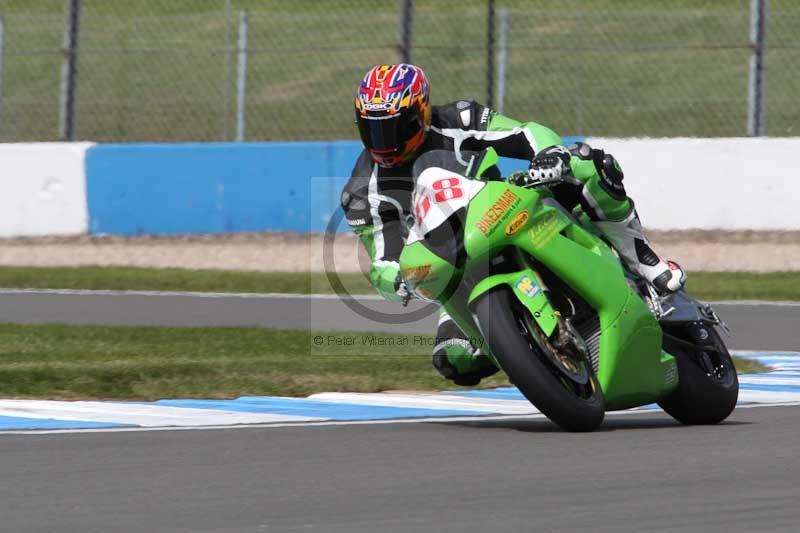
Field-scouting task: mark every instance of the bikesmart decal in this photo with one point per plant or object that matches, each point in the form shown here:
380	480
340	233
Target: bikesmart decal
528	286
517	223
499	211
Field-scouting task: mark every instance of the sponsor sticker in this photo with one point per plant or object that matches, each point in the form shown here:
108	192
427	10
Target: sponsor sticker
528	286
545	228
672	373
499	211
517	222
417	273
377	106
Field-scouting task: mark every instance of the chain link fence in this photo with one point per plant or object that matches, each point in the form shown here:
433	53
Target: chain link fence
213	70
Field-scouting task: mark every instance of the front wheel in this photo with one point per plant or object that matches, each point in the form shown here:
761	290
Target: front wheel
563	388
708	387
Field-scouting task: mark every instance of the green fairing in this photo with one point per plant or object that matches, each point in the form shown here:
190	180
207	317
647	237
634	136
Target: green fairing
489	159
633	370
538	305
430	274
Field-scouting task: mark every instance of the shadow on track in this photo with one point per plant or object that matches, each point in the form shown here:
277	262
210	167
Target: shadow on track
612	423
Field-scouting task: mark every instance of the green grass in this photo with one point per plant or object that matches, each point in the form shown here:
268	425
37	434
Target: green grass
175	279
160	70
702	285
745	285
748	366
73	362
149	362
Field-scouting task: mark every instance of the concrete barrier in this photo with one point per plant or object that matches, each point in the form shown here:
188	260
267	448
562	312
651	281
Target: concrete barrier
215	187
734	184
43	189
131	189
219	187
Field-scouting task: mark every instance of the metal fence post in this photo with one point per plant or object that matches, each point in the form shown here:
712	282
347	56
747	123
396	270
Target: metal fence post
69	72
502	59
226	75
406	28
490	55
2	47
756	109
241	78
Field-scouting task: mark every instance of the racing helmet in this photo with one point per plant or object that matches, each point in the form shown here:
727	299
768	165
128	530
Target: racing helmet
393	112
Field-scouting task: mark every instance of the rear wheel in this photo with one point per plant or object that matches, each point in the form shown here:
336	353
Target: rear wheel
708	385
563	387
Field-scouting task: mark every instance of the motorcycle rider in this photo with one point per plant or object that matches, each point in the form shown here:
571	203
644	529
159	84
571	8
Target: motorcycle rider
397	123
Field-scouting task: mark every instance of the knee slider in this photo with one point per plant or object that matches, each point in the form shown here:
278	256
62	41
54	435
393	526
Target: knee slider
447	330
442	365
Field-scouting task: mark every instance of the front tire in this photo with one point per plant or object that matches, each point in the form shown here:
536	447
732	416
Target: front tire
708	386
505	325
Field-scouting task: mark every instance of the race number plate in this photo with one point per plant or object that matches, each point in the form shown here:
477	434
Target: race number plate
438	194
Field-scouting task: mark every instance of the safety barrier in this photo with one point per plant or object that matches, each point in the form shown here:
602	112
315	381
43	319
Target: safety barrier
218	187
42	189
131	189
735	183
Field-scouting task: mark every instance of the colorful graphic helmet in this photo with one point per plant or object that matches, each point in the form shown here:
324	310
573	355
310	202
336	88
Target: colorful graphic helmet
393	112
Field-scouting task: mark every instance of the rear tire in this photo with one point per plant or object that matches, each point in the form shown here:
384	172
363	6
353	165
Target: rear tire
503	325
704	395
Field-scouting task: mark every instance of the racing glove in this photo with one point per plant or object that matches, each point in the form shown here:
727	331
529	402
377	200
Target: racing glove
550	165
403	290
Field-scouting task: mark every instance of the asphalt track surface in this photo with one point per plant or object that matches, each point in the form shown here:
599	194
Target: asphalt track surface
639	472
760	326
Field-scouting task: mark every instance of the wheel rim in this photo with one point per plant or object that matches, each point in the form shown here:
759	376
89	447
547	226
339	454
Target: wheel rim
719	368
573	374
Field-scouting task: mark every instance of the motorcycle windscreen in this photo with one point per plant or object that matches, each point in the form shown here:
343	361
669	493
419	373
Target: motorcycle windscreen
439	193
464	163
447	239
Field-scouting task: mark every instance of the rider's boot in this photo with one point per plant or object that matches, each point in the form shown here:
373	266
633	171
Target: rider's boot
607	203
456	358
628	239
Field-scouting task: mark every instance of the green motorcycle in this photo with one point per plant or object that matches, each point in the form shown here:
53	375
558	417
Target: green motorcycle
573	329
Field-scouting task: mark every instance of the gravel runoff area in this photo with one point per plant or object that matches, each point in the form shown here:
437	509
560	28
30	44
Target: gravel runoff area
694	250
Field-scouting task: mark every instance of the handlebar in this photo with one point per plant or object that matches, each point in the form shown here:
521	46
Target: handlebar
522	178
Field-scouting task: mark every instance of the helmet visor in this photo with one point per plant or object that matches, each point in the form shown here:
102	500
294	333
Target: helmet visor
388	133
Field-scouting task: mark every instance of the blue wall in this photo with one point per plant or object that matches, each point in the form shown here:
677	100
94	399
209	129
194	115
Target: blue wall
218	187
211	188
